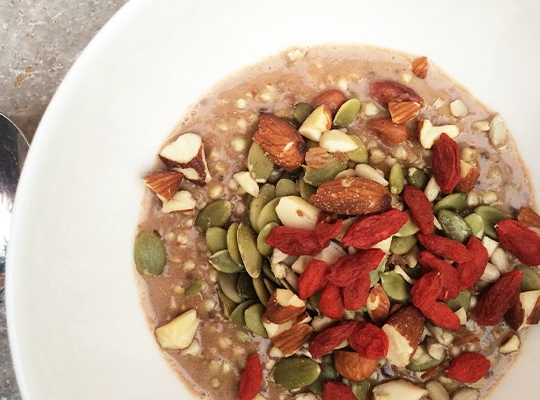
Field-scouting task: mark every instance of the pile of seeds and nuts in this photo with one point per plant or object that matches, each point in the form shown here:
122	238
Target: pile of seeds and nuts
370	281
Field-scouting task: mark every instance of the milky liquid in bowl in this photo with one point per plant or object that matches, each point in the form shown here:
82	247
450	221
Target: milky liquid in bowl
226	118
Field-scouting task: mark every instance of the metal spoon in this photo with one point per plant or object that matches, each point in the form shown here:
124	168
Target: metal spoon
13	149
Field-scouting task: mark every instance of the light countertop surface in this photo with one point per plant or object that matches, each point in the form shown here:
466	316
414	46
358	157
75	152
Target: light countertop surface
39	41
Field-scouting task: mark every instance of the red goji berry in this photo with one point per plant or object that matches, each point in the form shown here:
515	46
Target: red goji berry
331	301
470	271
334	390
449	275
369	341
295	241
328	230
251	379
330	338
520	241
426	290
468	367
349	267
499	298
444	247
356	293
370	230
313	278
442	315
421	209
445	163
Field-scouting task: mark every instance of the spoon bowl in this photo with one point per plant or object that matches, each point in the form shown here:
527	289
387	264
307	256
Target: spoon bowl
13	149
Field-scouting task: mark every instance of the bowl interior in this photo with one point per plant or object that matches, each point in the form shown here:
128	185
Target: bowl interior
76	327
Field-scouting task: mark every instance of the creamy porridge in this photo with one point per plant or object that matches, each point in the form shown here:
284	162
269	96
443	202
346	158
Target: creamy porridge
339	221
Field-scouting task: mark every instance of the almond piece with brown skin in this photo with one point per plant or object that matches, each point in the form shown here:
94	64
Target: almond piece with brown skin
164	183
353	366
352	196
389	132
319	121
527	216
385	91
404	329
469	177
420	67
186	155
318	157
378	304
182	201
280	141
289	341
403	111
284	306
333	98
526	312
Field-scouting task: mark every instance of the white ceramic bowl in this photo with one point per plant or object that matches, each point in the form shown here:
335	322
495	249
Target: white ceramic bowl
77	330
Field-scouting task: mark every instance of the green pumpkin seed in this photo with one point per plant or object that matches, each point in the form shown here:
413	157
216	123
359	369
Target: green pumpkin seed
454	226
232	242
302	111
228	283
396	179
316	177
361	389
270	286
237	316
267	271
216	239
408	229
417	177
247	245
223	262
463	300
228	304
422	360
216	213
360	154
395	286
530	280
265	249
259	165
244	286
402	245
346	114
491	216
476	223
454	201
267	215
296	372
328	373
253	317
306	190
149	253
375	275
267	192
194	289
286	187
262	290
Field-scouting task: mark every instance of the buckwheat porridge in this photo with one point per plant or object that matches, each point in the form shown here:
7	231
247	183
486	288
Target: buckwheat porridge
339	221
